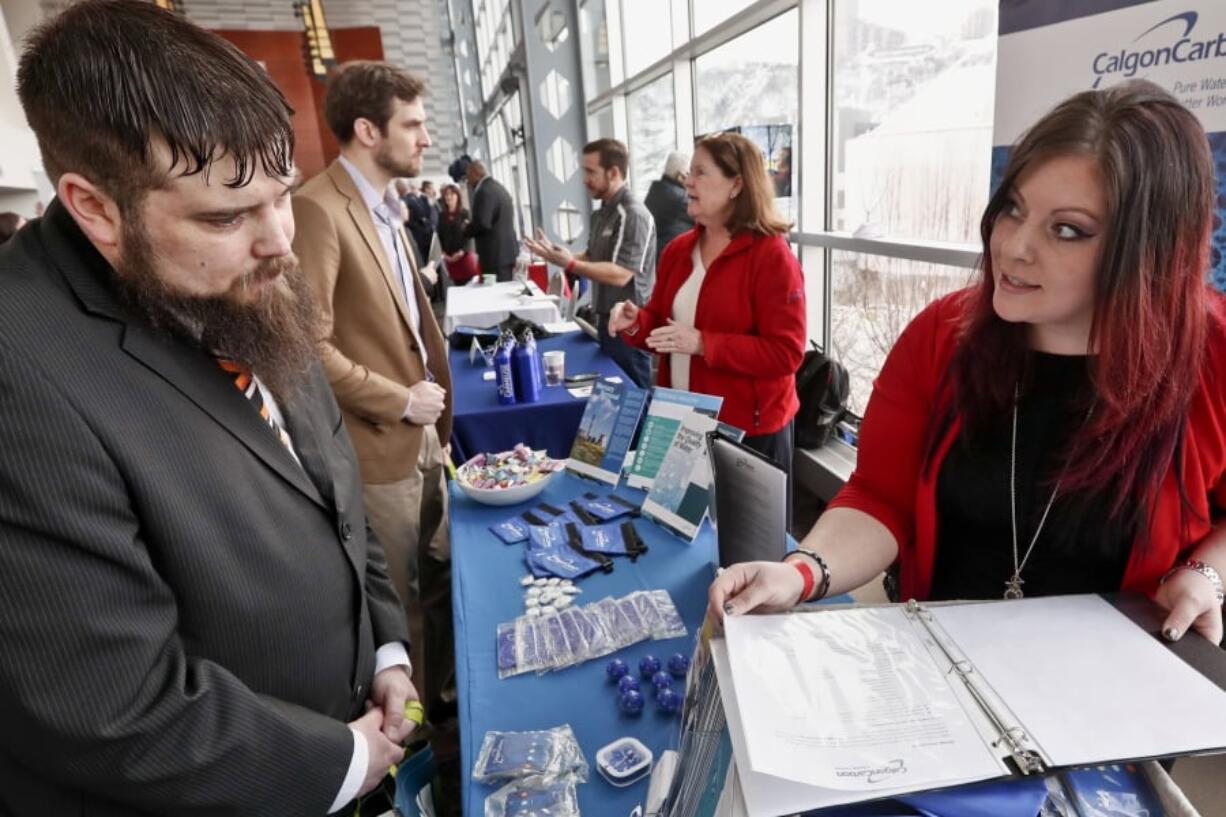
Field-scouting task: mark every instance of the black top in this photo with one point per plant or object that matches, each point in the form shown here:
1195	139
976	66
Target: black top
1078	551
421	222
451	227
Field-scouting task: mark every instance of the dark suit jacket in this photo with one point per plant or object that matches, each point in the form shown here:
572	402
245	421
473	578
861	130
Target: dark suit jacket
493	226
666	201
422	222
188	617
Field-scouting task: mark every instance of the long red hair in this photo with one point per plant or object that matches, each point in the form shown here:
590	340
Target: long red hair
1150	305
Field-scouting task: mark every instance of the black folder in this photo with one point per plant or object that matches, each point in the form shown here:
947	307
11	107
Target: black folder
750	502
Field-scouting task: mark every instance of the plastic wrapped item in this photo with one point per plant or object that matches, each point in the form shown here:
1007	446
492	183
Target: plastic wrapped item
507	663
546	755
624	761
553	635
671	624
533	797
559	652
645	606
530	650
1120	790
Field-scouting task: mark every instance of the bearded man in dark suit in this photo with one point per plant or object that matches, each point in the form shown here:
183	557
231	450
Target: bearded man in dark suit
195	616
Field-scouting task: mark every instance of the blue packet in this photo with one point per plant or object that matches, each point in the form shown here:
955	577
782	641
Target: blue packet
563	564
550	553
605	539
511	531
604	508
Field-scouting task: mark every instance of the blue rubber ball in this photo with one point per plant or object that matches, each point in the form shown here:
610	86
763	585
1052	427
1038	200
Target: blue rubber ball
669	699
631	702
627	683
649	665
661	680
616	669
678	664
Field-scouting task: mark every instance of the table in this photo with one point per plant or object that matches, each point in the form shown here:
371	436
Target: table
486	592
490	304
481	423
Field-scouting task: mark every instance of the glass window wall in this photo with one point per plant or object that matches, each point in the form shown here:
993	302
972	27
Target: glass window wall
873	298
913	91
710	13
653	131
751	85
648	32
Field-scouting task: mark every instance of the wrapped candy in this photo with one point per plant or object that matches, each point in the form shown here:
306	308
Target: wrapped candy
519	466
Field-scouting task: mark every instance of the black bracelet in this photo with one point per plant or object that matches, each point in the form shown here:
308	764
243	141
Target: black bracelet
823	587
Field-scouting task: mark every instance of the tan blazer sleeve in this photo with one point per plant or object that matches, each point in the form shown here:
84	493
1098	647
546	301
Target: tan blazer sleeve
358	389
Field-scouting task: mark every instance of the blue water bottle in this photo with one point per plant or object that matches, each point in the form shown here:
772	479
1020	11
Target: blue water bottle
506	375
527	369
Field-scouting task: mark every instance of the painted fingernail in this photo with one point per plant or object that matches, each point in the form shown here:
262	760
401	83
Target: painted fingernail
1171	634
729	609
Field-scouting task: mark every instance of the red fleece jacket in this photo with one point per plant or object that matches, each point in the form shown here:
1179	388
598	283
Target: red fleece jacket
751	312
890	484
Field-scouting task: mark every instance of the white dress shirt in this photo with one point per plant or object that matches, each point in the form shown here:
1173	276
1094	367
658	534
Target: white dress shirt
385	211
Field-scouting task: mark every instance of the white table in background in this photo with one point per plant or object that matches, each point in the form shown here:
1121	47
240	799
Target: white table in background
490	304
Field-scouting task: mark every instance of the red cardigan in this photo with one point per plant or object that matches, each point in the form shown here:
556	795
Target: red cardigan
751	312
890	485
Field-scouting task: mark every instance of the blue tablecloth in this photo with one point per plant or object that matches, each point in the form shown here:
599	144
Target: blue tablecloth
482	424
486	592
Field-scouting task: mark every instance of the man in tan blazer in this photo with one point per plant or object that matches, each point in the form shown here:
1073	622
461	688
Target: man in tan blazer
382	349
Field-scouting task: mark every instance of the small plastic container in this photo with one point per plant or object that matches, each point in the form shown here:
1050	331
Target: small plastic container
624	761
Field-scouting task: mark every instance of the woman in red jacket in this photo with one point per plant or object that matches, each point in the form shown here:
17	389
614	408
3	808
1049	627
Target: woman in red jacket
1061	426
727	315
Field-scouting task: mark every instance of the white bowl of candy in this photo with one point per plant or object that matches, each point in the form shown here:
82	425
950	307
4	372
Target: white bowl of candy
507	478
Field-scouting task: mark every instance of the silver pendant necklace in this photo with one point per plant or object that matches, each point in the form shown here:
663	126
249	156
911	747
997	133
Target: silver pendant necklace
1013	587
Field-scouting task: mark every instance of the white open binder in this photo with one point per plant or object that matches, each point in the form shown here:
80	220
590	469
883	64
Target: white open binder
841	705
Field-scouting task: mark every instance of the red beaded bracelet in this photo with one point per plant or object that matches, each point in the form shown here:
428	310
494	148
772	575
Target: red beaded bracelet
570	265
806	573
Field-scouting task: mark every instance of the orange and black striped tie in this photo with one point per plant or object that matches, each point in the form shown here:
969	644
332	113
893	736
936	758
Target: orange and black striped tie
245	383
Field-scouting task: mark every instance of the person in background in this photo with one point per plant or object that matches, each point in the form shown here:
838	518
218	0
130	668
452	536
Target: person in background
431	196
781	176
381	346
748	339
461	261
492	225
196	618
10	223
667	202
419	222
1060	426
620	259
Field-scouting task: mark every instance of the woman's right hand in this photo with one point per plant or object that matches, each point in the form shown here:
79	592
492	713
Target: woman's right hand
622	317
767	587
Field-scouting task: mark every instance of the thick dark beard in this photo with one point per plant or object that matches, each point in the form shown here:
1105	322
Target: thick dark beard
277	334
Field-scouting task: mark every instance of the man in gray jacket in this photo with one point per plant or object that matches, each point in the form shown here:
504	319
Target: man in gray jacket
620	259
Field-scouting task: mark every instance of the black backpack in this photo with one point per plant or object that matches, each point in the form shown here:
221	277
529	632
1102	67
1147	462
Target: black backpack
823	387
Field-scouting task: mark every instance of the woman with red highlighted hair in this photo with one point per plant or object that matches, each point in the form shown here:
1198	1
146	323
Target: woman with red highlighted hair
1060	427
